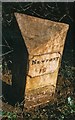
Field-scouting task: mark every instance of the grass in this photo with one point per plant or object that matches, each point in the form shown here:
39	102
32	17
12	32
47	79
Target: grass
8	115
65	111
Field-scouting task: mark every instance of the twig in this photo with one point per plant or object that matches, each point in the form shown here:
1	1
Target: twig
7	43
62	17
6	53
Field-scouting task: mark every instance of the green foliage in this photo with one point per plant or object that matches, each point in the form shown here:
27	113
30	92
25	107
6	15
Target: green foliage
9	115
63	111
68	110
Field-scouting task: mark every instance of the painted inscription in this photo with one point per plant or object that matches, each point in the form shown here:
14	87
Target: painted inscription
43	64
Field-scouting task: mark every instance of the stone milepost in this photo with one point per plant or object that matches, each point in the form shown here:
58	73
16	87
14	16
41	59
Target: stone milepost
45	41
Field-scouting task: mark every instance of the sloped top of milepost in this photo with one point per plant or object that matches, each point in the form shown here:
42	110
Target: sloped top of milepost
40	34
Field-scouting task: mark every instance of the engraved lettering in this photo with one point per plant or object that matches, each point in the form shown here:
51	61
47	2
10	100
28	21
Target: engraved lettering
47	60
42	70
38	62
50	60
34	62
43	64
57	58
43	61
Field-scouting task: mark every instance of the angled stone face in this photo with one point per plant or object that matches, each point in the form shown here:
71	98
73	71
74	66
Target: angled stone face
40	35
44	40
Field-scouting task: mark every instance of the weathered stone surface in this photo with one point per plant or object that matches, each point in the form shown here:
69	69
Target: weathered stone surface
44	40
43	64
39	96
40	90
40	35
